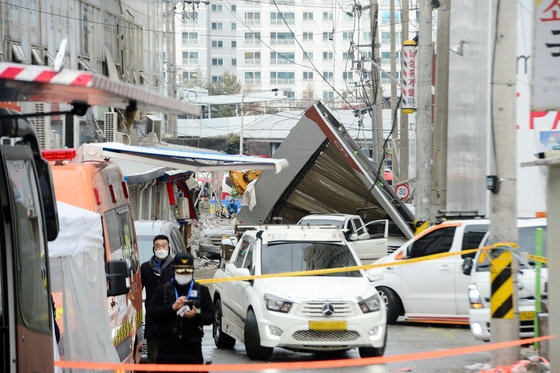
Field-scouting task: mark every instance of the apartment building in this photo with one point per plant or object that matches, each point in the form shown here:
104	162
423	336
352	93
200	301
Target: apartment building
301	47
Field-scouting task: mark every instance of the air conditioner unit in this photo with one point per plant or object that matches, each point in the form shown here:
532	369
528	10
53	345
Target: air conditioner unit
111	121
42	124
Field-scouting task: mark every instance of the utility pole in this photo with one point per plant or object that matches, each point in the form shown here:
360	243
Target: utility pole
424	114
503	205
170	54
395	160
439	171
403	133
376	95
242	115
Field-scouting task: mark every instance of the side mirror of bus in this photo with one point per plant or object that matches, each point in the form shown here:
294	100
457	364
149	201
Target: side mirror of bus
117	278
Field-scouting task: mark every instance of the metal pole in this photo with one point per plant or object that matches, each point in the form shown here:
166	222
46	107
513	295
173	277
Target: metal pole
395	159
241	131
538	266
424	114
403	133
374	84
439	171
503	204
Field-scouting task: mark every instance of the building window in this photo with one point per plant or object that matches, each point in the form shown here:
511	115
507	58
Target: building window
347	35
347	75
253	18
328	75
309	55
277	58
252	58
328	56
282	77
190	18
344	56
308	75
252	77
281	38
307	35
289	94
386	18
234	8
217	43
217	61
187	75
216	8
327	16
308	16
190	58
385	58
234	43
216	79
328	95
327	36
367	35
190	38
234	26
252	38
217	26
276	18
234	62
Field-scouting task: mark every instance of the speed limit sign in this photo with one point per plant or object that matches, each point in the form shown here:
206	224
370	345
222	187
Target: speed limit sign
402	191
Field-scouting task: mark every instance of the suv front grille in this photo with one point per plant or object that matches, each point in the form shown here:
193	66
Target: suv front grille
313	309
326	335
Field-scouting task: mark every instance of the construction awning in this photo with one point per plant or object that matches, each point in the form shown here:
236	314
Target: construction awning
19	82
181	159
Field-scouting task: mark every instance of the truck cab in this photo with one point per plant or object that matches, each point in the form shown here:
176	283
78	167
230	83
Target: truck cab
28	221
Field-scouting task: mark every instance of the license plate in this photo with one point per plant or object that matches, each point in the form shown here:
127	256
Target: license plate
526	315
327	325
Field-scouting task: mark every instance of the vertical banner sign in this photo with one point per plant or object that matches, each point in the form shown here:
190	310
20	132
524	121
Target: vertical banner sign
409	77
546	61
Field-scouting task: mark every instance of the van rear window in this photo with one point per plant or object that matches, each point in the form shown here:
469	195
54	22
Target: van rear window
122	240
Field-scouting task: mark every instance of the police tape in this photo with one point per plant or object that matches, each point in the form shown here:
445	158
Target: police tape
317	364
354	268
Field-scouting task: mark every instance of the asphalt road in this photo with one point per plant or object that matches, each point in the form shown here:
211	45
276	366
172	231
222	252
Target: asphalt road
403	338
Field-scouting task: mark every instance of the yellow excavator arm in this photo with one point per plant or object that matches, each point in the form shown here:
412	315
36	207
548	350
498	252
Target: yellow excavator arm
240	179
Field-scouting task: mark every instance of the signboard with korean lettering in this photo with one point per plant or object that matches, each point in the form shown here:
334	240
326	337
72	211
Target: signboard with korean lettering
546	62
409	77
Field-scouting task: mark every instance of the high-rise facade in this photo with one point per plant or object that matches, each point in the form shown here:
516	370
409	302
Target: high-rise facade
302	47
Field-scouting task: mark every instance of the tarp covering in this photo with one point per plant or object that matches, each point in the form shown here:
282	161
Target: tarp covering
77	269
328	173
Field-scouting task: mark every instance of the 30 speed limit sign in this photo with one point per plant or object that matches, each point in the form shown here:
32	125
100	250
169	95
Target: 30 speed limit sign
402	191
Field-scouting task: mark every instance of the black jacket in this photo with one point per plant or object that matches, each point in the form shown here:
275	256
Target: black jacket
153	275
178	334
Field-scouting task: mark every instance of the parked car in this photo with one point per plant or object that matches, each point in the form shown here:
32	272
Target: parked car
370	241
435	290
146	230
326	312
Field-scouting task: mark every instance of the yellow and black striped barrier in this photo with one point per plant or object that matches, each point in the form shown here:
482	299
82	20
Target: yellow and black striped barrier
501	301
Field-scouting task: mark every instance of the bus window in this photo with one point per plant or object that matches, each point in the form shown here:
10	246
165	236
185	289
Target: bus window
120	232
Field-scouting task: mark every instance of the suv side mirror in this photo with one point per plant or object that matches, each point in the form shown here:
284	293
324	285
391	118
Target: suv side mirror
117	278
467	266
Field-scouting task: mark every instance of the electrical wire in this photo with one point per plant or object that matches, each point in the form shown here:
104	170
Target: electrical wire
492	129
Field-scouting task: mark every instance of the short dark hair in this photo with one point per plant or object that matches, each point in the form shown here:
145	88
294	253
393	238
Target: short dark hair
161	237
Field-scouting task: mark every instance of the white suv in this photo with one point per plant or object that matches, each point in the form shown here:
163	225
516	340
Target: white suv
336	311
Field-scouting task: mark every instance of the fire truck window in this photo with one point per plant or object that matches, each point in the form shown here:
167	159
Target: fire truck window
31	258
120	232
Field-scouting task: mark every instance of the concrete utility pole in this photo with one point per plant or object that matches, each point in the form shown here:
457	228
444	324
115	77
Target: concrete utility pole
393	82
403	133
503	205
170	54
424	114
439	171
376	95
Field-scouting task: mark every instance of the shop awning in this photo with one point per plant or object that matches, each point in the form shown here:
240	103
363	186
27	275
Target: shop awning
19	82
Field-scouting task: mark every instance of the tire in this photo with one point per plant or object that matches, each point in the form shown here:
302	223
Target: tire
253	340
374	351
393	304
221	339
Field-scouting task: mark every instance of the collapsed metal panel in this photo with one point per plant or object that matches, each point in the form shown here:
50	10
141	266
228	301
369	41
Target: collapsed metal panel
327	173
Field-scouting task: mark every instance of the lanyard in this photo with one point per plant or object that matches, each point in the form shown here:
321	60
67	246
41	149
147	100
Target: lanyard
188	294
158	264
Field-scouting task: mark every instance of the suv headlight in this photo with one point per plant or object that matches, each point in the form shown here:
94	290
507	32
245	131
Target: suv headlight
371	304
475	299
274	303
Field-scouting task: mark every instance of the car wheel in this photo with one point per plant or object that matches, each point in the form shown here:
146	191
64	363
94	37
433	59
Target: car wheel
392	302
221	339
374	351
253	340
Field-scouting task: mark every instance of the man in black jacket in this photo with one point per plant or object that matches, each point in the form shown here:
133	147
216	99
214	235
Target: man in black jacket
156	271
181	307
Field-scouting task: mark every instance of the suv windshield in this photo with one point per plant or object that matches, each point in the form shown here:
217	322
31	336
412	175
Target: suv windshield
307	256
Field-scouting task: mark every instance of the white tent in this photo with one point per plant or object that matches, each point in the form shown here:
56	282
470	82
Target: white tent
77	269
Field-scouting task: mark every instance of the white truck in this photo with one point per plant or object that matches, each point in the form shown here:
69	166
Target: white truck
437	290
370	241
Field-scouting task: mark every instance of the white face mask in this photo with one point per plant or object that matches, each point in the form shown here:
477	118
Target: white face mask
183	279
161	254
